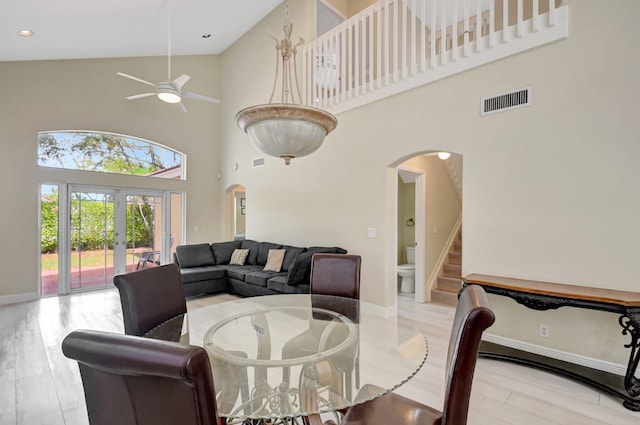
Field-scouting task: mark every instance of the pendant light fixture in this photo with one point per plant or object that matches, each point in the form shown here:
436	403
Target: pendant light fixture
287	129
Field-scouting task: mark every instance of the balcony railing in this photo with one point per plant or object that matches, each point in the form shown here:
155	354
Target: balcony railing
393	45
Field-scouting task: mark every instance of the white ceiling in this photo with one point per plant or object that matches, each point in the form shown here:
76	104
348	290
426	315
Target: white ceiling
74	29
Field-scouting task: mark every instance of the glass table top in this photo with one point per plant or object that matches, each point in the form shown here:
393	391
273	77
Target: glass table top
284	356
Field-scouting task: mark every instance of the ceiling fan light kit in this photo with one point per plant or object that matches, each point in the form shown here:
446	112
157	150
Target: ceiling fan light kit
168	94
286	130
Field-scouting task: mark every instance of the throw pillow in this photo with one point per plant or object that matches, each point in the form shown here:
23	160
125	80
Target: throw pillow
238	257
274	260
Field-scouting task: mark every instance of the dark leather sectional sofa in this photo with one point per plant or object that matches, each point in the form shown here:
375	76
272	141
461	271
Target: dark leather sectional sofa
205	268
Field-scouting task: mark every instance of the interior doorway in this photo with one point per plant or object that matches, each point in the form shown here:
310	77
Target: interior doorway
437	221
410	239
236	212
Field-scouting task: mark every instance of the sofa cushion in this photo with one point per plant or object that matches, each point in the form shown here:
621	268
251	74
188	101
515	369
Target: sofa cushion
279	284
290	256
300	271
195	274
252	246
195	255
238	257
222	251
263	251
239	272
274	260
260	278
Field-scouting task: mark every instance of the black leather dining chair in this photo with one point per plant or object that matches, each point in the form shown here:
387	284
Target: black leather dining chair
331	274
336	275
129	380
153	306
473	315
151	297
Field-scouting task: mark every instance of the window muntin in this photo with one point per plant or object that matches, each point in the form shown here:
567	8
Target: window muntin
108	153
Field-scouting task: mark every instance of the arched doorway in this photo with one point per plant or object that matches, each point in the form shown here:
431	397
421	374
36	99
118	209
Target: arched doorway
436	215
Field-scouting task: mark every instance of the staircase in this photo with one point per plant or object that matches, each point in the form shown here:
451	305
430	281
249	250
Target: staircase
450	281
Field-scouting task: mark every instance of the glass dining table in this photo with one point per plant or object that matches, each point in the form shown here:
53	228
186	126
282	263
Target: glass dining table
281	357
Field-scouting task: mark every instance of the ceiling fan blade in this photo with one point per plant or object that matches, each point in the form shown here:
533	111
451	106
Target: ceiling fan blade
181	107
195	96
131	77
139	96
180	81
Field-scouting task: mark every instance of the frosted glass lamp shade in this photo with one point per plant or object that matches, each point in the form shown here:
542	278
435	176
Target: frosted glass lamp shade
169	95
285	130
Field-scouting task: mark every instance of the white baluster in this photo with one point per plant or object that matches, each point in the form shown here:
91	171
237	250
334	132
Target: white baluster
363	54
478	33
443	33
387	68
466	28
379	49
423	36
552	13
395	39
343	64
505	21
454	31
433	40
413	40
519	12
349	75
536	14
492	22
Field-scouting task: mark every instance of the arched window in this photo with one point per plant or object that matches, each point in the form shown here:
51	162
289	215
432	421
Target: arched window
108	153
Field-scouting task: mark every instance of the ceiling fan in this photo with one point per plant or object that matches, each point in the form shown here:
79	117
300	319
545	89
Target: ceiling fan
169	91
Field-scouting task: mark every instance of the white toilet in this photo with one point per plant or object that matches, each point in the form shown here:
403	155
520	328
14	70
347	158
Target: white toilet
408	271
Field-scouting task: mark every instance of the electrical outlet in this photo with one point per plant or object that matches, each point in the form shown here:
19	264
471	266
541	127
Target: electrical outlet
544	331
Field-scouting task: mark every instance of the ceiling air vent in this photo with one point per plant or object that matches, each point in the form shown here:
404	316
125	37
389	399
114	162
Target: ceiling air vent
258	162
505	102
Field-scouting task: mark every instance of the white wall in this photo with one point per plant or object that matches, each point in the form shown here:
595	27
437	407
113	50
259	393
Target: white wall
87	95
550	191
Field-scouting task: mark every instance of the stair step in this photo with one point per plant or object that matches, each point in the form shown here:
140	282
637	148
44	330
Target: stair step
444	297
452	270
449	284
457	246
454	258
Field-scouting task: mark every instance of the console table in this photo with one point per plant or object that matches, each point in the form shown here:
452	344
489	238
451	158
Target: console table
546	296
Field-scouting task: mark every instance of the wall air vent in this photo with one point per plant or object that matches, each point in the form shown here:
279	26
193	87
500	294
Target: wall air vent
258	162
505	102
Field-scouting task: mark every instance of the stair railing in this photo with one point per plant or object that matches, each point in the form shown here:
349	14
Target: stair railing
399	44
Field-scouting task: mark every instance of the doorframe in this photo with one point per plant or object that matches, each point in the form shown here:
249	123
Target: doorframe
420	237
119	193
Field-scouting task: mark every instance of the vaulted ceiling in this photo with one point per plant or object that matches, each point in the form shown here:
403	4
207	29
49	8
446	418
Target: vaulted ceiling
75	29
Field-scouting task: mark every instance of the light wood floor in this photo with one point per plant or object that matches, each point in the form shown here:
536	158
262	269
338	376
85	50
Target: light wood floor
39	386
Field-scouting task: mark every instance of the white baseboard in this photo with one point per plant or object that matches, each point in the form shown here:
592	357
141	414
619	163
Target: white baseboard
19	298
590	362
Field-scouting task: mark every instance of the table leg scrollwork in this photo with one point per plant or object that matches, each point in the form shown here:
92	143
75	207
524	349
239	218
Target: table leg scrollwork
630	323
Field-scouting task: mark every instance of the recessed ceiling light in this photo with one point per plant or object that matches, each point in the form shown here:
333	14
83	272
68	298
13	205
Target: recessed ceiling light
206	35
25	33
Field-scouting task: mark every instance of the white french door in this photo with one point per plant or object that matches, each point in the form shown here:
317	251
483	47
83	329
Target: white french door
106	231
96	248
